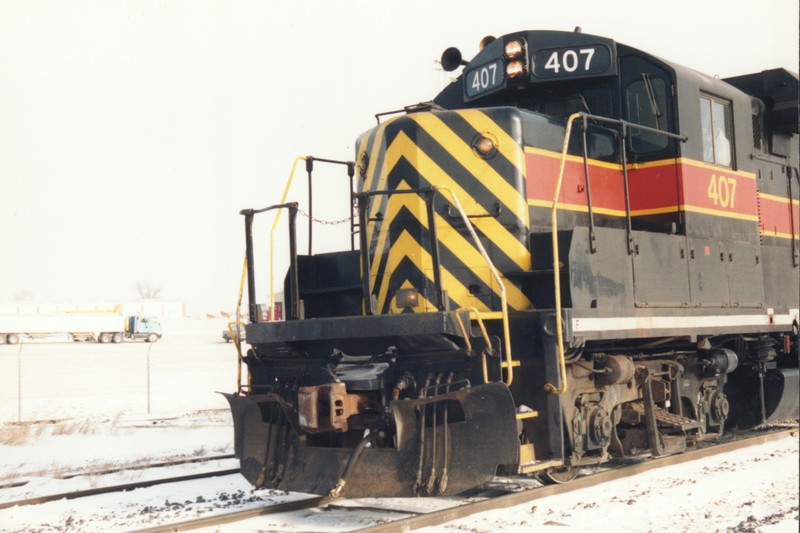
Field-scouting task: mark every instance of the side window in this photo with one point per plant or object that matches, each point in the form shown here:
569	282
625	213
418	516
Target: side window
715	119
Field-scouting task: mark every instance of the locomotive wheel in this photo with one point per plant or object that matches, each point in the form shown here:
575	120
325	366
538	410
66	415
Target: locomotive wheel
561	474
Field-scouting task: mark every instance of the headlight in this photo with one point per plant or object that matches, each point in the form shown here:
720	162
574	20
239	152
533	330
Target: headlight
514	49
407	298
485	145
515	69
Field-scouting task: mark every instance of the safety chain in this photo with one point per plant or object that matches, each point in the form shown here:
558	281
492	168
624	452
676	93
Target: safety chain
328	222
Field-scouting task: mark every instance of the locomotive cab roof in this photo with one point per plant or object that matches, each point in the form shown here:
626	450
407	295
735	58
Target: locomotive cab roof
510	64
558	73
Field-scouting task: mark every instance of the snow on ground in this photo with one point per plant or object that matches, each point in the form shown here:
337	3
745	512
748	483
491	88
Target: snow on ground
751	490
46	380
41	451
67	406
755	489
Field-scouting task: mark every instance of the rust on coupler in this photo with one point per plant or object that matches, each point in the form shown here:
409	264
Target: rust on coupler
327	407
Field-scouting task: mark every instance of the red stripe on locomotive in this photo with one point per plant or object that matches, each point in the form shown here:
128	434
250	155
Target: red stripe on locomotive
718	191
653	187
542	173
776	216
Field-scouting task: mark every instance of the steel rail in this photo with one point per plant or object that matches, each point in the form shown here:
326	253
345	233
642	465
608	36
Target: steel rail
145	466
517	498
236	516
76	494
420	519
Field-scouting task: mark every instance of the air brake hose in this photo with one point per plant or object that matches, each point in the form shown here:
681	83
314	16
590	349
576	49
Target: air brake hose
337	490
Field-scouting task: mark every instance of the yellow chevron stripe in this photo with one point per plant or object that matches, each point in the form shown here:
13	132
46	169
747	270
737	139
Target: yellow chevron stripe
459	297
403	146
411	202
465	250
424	303
506	144
372	170
375	173
462	151
406	246
450	239
414	205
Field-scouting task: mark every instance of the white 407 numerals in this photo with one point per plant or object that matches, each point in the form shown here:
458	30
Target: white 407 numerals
485	78
570	60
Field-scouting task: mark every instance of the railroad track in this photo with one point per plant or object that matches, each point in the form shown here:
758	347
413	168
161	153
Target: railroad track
492	503
73	495
316	502
147	466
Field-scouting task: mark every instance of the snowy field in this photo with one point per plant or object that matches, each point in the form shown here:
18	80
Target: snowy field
86	405
55	378
754	490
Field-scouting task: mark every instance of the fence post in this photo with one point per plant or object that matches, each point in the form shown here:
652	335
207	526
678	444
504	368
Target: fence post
149	347
19	380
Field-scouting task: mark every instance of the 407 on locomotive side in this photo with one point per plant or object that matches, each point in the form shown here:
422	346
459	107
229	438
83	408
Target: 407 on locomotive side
576	251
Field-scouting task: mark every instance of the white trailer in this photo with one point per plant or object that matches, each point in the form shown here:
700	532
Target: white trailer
80	326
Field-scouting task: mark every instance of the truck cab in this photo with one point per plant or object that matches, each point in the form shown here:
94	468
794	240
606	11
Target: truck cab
147	328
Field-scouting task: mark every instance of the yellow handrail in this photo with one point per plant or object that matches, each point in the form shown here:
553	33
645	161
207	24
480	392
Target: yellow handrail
464	332
272	239
241	289
271	249
238	317
271	277
470	311
506	334
549	387
238	343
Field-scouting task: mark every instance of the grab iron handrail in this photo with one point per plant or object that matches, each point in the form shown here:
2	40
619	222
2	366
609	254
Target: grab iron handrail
624	125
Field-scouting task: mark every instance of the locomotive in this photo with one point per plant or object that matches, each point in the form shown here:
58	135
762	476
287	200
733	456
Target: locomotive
576	251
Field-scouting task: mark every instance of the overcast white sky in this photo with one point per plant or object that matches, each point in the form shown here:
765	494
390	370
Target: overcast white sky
132	133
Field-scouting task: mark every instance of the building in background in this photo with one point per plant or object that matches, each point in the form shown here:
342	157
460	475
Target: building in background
155	308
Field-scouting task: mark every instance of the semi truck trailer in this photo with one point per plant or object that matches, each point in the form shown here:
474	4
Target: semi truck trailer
102	328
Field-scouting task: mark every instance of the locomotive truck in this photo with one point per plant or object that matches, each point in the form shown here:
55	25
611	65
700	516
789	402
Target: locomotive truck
576	251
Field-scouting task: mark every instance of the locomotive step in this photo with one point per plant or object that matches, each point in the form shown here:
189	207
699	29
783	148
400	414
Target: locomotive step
673	421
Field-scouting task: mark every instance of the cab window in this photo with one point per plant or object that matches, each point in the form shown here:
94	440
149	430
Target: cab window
715	119
648	106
